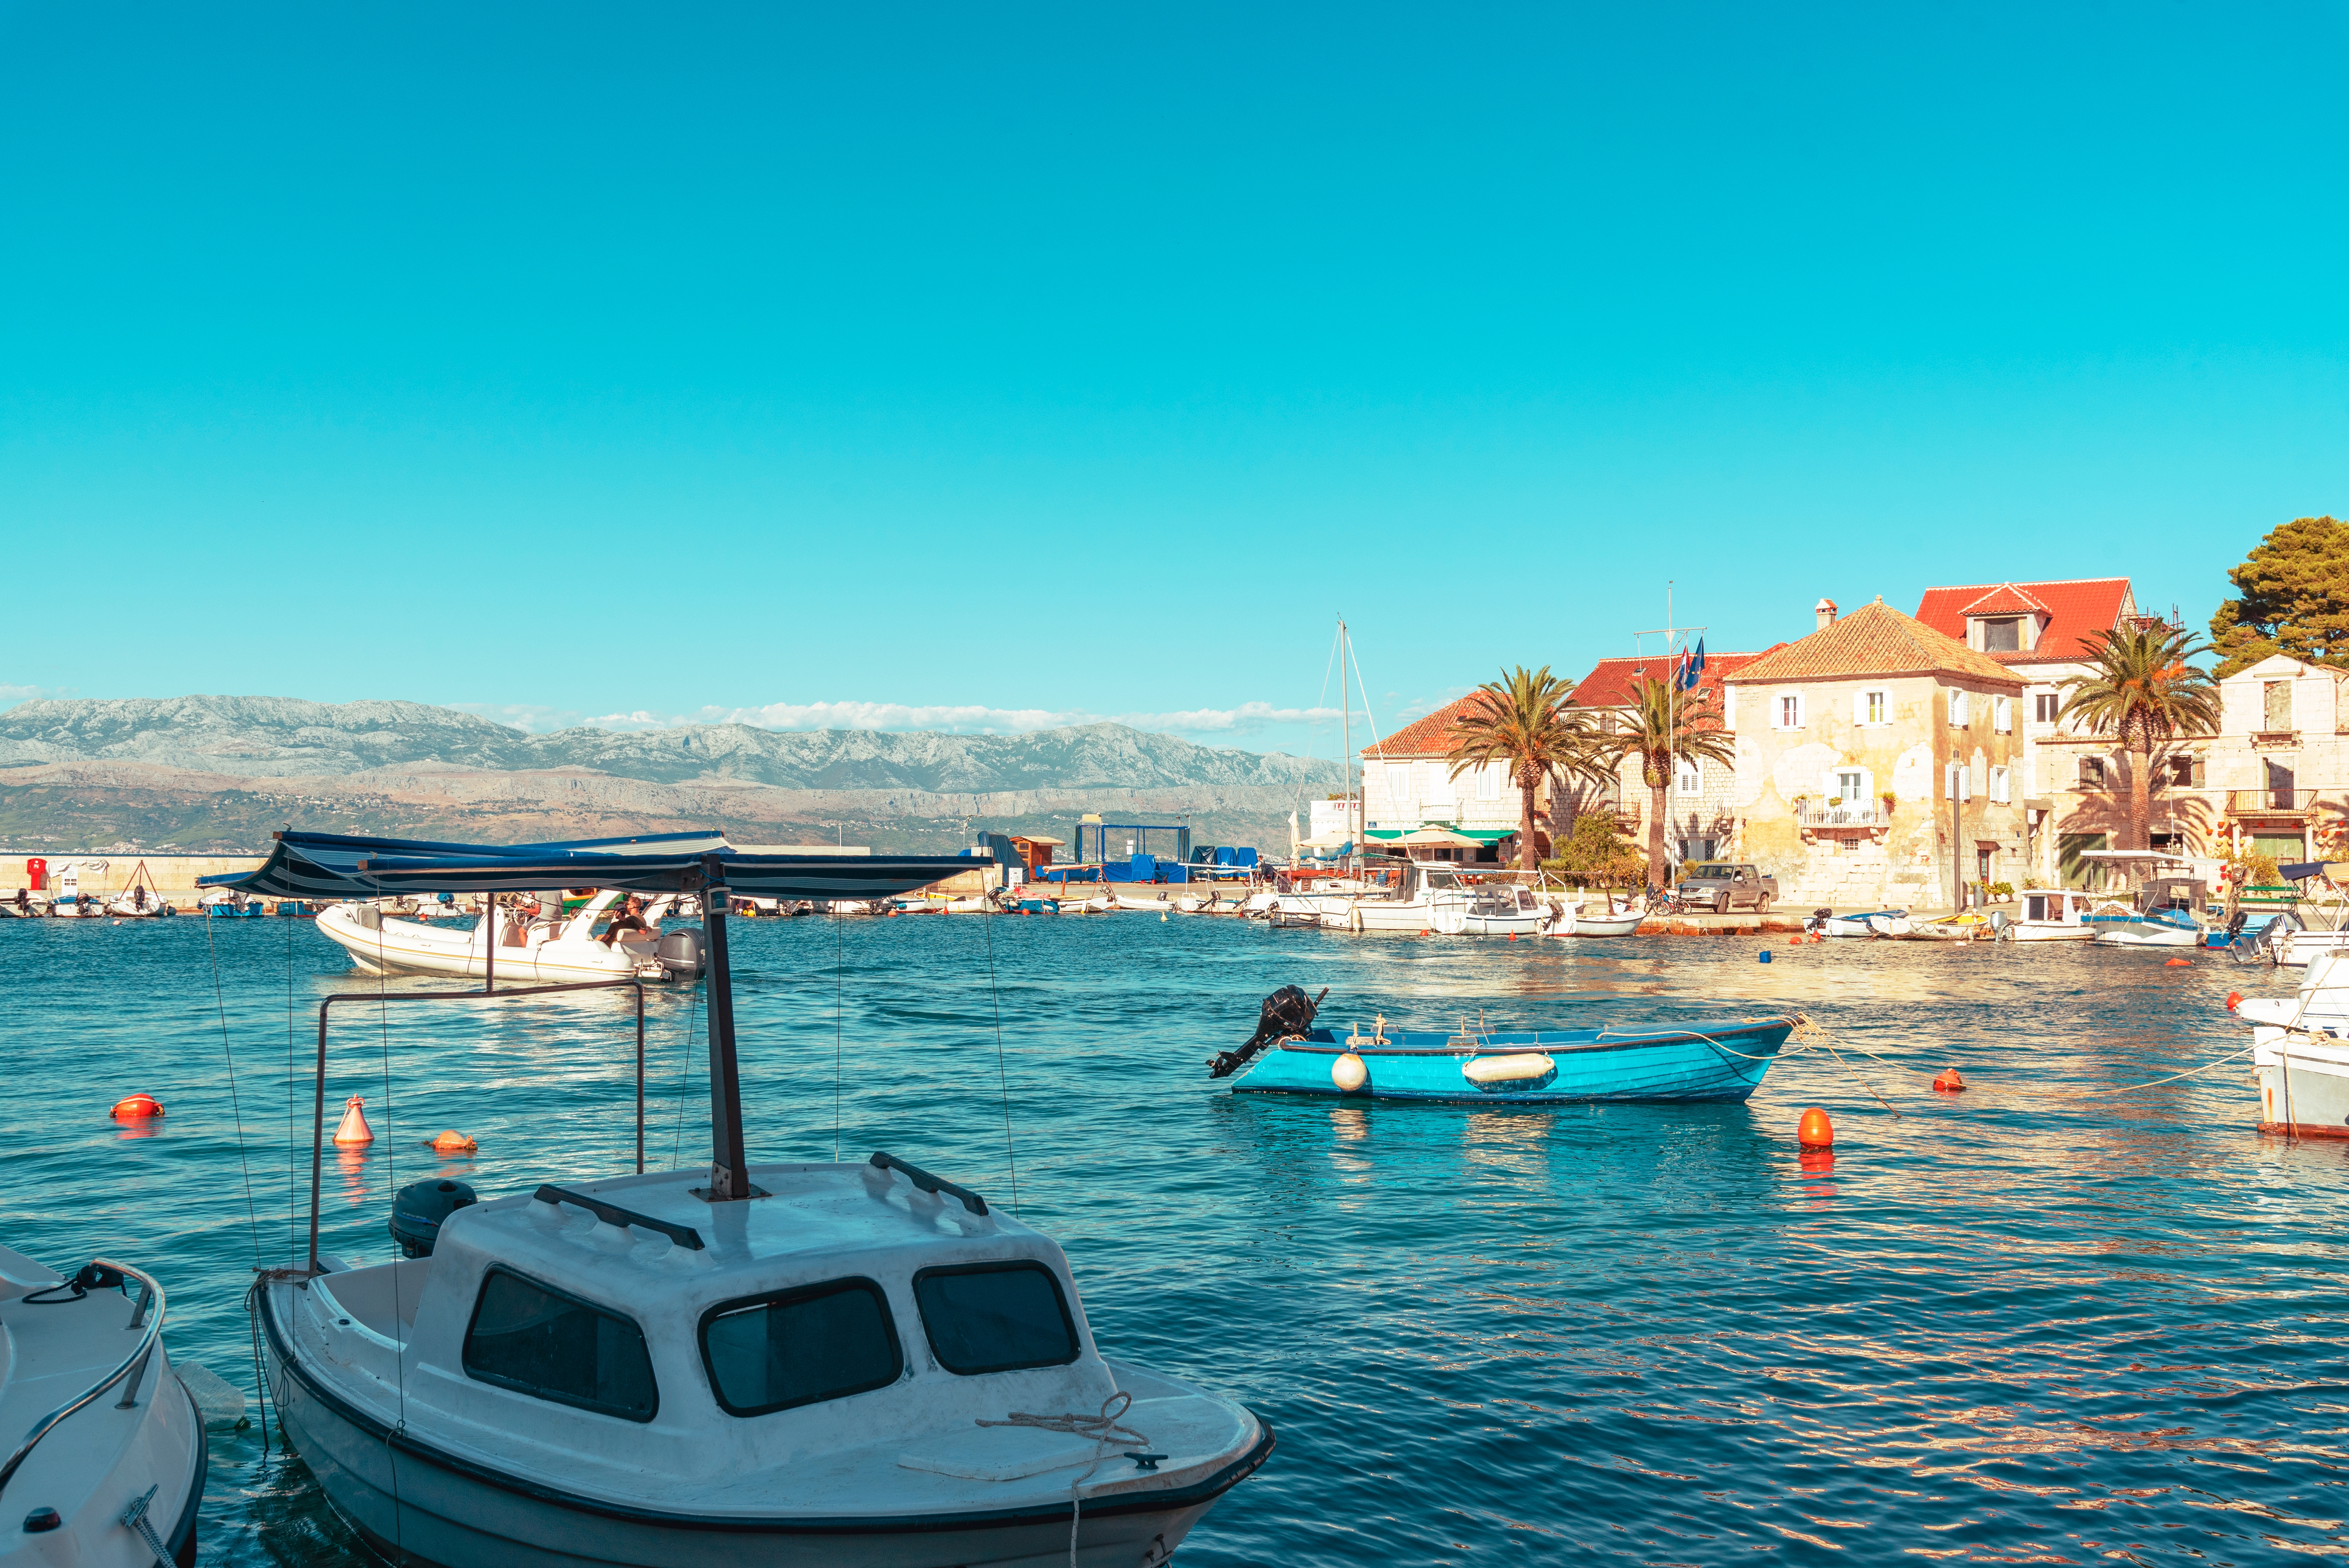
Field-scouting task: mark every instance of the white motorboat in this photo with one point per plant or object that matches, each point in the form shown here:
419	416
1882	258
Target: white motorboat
1972	925
25	905
1493	910
782	1364
548	949
2052	915
1858	925
2162	928
2301	1052
1891	923
110	1469
1580	920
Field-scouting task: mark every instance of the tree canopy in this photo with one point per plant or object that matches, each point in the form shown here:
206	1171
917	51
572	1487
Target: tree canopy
2294	591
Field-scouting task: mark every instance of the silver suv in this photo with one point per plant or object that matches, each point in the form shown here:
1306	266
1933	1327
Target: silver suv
1726	887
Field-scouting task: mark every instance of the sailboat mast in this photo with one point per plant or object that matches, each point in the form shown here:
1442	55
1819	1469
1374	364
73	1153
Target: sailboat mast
1346	722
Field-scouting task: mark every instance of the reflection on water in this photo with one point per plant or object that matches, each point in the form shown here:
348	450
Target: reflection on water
2029	1321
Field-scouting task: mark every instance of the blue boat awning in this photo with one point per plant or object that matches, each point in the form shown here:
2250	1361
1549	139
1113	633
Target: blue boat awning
329	867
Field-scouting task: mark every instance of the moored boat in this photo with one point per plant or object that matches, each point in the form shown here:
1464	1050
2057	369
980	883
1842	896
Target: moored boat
547	949
2161	928
2052	915
108	1469
800	1364
1859	924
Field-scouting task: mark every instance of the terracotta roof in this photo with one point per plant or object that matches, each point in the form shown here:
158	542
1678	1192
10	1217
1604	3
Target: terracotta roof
1610	682
1875	640
1426	737
2005	599
2074	609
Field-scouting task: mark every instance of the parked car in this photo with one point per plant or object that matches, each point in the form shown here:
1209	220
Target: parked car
1726	887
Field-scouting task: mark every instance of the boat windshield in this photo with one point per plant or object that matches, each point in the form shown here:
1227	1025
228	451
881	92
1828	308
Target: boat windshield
995	1317
801	1346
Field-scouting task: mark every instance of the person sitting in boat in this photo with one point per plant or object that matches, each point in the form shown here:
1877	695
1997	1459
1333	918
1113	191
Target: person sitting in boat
631	918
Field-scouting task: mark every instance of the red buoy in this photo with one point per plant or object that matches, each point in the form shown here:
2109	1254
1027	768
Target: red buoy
2178	963
452	1142
354	1128
2234	1000
1513	936
136	1108
1815	1131
1949	1083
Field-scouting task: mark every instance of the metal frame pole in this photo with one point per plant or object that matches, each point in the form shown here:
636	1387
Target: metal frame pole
729	1169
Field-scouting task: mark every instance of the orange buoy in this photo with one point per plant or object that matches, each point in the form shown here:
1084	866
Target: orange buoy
1949	1083
2234	1000
453	1143
1815	1131
354	1127
1513	936
136	1108
2178	963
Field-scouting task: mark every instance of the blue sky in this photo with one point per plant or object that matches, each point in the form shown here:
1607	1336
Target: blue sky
986	366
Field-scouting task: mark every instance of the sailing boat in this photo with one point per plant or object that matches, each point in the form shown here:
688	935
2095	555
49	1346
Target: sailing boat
794	1364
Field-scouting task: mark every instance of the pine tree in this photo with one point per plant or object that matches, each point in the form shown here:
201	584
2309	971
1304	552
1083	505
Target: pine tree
2295	599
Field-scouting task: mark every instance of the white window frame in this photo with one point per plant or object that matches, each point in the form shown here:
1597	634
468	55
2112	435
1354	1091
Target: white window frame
1956	781
1880	698
2056	698
1685	772
1488	781
2001	715
1957	709
2001	790
1779	703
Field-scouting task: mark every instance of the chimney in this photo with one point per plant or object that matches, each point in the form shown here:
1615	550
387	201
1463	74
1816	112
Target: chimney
1826	611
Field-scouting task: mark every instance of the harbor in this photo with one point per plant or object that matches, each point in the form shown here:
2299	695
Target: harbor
1453	1316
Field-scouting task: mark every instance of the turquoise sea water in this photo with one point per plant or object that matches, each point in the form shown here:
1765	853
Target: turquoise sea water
2021	1325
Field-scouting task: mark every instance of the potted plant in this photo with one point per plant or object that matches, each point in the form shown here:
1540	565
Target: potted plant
1890	800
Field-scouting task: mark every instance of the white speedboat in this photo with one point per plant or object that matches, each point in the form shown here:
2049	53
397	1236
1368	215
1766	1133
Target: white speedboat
780	1365
2052	915
548	949
109	1466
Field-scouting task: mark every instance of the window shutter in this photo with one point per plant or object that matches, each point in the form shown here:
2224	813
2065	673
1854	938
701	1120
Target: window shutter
1859	707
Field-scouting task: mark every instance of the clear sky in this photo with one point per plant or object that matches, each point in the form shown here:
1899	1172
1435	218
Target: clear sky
986	365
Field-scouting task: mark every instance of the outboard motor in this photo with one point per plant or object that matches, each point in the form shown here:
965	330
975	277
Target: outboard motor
1286	1013
679	951
1818	920
419	1209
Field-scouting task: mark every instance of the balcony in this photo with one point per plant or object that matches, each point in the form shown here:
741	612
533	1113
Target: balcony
1830	815
2290	801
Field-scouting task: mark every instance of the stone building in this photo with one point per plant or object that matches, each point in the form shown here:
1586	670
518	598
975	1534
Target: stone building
1407	783
2042	631
1877	763
1701	805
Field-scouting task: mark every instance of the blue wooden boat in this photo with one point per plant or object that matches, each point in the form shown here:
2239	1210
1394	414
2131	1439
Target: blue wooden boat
1700	1060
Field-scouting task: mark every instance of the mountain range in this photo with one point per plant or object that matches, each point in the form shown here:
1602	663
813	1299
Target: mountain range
212	773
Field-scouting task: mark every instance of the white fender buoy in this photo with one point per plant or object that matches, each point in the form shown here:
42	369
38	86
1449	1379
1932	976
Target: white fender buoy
1516	1069
1349	1073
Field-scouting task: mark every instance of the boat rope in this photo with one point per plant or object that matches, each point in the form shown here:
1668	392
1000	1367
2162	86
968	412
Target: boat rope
1003	1079
1103	1429
2126	1088
244	1166
685	1077
839	962
1810	1032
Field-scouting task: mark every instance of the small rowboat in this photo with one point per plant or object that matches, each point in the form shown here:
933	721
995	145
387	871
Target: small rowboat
1702	1061
1583	923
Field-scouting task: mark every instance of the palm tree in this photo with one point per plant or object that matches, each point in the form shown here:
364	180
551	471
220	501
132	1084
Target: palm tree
1525	719
1666	725
2142	693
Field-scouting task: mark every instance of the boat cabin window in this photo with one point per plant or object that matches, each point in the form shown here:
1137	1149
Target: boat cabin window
536	1340
995	1317
800	1346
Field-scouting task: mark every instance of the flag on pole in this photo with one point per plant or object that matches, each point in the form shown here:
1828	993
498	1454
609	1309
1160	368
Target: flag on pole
1691	667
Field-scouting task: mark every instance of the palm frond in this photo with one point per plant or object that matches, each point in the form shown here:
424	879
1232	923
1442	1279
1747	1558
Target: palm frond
2141	690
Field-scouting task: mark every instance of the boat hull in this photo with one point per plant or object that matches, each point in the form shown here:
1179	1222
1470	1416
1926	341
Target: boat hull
418	1504
2304	1086
1702	1062
407	947
2049	931
2149	937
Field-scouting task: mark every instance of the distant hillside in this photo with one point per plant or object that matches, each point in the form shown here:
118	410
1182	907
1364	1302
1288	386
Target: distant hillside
217	773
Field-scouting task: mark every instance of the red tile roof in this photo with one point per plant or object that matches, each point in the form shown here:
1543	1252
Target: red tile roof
1875	640
2075	610
1426	737
1610	682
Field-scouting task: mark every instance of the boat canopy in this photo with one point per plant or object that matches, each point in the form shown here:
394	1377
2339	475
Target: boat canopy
331	866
